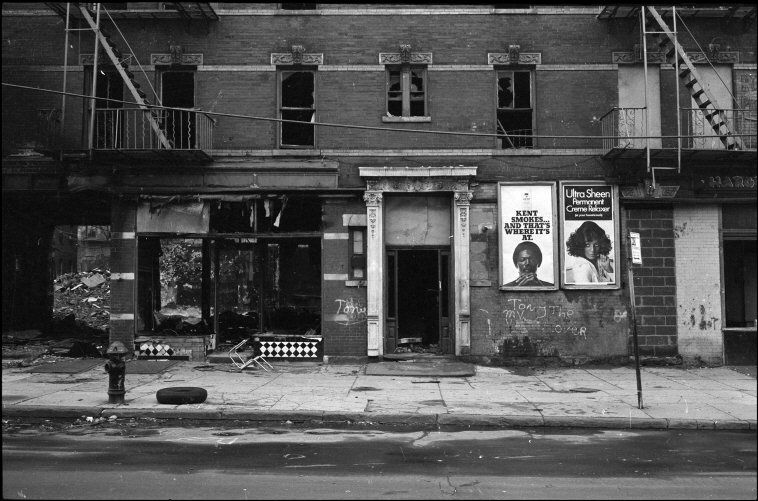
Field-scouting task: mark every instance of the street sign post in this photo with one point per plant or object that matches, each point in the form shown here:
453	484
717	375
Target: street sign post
635	257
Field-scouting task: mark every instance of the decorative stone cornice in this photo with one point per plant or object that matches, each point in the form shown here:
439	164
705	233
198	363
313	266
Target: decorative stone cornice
507	58
458	171
463	197
400	58
372	197
296	56
169	58
728	57
415	185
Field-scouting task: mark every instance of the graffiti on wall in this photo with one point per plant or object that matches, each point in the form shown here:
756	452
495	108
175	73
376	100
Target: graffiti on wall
350	311
558	319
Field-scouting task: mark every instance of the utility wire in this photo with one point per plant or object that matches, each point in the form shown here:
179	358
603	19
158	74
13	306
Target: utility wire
346	126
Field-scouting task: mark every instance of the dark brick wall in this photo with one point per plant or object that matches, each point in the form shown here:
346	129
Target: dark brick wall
655	280
343	322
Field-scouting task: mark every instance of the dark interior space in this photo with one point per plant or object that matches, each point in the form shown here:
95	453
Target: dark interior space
178	89
418	295
297	103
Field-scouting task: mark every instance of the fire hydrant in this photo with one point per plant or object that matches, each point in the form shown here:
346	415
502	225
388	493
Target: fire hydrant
116	369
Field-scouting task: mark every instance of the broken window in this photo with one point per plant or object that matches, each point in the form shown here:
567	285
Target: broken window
256	271
358	253
406	91
514	109
298	103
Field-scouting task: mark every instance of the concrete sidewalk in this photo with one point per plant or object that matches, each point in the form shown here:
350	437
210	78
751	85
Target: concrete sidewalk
329	394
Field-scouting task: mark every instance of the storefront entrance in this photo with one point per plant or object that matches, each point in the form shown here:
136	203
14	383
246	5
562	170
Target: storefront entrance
418	301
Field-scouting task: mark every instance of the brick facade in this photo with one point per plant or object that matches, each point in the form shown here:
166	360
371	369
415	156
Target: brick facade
573	85
655	281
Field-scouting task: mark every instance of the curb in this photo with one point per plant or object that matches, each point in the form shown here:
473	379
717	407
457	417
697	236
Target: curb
413	421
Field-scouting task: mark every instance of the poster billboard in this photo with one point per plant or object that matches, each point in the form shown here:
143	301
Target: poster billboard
589	236
527	236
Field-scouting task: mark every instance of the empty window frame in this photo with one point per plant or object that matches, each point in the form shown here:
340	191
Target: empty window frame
358	253
515	109
297	101
406	91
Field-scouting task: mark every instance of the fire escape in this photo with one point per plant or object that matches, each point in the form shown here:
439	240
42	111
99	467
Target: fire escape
139	129
707	131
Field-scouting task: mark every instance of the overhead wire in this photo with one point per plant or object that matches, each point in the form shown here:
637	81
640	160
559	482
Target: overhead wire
348	126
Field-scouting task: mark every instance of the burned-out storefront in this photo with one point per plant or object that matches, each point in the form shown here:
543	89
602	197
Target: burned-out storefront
220	269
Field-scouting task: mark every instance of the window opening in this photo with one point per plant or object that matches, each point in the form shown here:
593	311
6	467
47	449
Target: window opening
514	108
297	98
240	285
358	253
178	91
406	92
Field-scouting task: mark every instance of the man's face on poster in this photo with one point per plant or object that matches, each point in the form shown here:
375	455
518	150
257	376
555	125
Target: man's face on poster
526	262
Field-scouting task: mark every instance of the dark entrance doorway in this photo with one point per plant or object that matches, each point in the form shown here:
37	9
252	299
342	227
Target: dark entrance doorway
418	300
179	92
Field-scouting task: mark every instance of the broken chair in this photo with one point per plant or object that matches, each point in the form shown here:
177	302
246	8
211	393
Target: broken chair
241	363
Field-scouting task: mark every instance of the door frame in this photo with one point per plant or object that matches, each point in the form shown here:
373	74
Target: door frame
455	181
391	293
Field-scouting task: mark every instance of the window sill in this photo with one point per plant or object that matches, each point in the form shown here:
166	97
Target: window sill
405	119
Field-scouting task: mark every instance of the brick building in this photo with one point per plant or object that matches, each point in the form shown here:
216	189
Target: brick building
341	180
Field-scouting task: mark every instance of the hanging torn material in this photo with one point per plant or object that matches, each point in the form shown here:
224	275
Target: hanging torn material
279	217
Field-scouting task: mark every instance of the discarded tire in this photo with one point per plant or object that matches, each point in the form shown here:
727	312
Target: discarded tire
181	395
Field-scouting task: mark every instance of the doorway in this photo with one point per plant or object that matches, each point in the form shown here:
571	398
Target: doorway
178	90
418	301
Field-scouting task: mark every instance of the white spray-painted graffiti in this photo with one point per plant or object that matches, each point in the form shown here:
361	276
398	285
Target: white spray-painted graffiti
619	315
350	311
519	311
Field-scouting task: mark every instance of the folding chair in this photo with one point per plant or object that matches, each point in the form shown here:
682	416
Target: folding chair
241	363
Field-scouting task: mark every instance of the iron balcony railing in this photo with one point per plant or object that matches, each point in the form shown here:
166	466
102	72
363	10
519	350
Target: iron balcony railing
623	128
701	136
130	129
627	128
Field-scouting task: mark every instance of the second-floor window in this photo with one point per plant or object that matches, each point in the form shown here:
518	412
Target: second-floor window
514	109
297	102
406	91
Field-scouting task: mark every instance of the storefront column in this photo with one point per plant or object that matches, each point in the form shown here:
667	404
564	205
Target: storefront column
375	273
462	202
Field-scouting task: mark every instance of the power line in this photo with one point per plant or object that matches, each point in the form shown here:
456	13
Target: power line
346	126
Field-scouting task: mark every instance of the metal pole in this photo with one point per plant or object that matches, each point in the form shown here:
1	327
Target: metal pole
644	62
94	83
634	327
678	109
65	74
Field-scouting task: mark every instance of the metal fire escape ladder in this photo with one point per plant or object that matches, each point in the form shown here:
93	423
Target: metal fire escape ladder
133	86
692	80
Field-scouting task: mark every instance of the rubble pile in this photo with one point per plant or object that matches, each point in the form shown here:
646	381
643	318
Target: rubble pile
82	300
